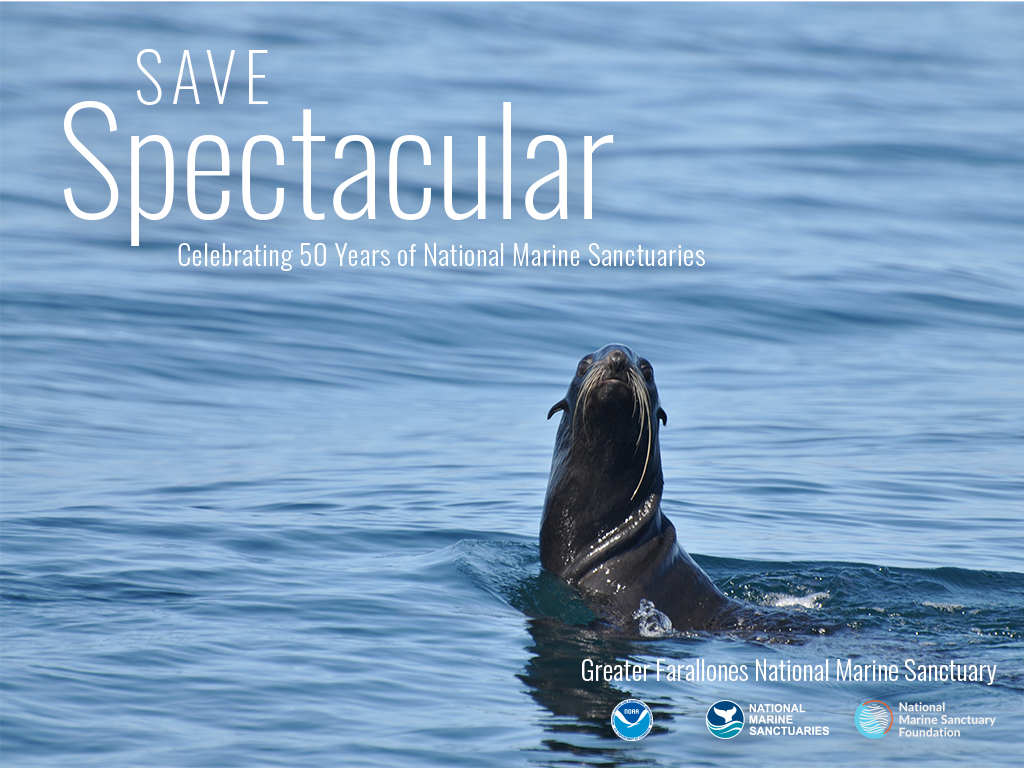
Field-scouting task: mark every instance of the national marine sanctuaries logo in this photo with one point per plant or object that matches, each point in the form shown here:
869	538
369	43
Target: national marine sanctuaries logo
873	719
632	720
725	719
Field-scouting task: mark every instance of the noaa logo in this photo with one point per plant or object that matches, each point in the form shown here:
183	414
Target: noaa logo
725	719
632	720
873	719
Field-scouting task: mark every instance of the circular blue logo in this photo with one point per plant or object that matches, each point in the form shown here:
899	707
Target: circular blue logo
632	720
725	719
873	719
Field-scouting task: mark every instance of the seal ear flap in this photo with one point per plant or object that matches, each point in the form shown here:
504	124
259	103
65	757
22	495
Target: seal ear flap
561	405
662	416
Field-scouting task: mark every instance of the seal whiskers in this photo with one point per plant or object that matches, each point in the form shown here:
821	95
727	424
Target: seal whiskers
597	374
640	393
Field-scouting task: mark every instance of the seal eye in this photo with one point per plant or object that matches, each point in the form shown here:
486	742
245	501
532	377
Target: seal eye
646	370
584	365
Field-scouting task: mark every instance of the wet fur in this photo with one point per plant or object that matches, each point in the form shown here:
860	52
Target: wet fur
602	529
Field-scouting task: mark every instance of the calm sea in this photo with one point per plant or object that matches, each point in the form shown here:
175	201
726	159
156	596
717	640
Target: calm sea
267	517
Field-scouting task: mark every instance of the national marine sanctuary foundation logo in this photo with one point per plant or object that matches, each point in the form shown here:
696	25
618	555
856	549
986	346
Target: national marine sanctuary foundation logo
873	719
632	720
725	719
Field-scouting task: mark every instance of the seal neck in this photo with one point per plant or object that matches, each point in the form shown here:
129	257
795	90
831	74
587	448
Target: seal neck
642	524
601	501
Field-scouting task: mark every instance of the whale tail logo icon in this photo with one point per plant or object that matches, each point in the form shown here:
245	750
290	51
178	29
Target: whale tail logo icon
727	715
725	719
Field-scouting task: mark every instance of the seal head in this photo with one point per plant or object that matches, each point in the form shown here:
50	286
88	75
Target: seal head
602	529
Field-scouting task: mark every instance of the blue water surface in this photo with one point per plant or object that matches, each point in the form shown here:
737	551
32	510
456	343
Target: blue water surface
267	517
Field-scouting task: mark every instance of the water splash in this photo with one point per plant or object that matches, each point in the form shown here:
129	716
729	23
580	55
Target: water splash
652	622
810	602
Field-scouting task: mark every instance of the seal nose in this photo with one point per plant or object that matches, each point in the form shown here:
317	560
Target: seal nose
617	361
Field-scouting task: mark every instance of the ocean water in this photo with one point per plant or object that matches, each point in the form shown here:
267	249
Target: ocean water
289	517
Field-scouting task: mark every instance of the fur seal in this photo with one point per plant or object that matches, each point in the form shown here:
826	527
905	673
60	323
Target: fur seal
602	529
